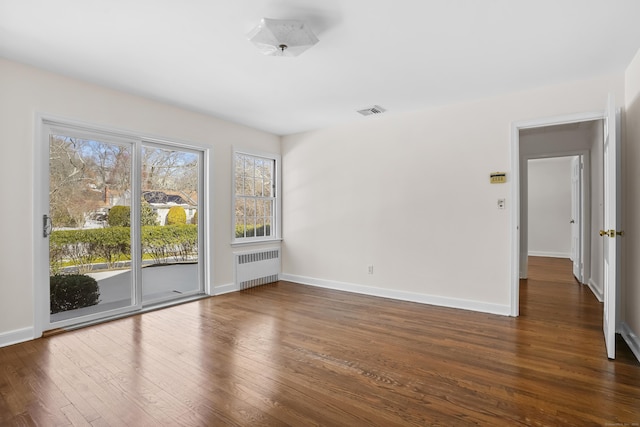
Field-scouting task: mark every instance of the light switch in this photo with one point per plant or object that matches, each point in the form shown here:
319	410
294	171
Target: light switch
501	203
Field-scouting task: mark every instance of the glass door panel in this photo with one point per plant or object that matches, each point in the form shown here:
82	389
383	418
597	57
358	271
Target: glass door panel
90	240
170	240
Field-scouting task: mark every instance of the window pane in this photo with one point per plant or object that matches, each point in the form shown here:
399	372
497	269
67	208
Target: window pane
90	241
259	186
240	206
268	177
170	179
268	204
239	175
251	208
267	187
240	217
260	227
267	226
249	167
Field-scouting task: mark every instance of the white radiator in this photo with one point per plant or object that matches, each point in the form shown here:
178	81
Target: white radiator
257	268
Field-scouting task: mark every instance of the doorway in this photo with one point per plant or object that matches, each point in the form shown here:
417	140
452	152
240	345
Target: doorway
575	135
609	206
120	229
555	209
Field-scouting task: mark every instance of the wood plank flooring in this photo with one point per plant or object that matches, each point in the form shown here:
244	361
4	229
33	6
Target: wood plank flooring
287	354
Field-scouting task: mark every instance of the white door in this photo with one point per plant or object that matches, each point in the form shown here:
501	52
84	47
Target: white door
576	215
610	232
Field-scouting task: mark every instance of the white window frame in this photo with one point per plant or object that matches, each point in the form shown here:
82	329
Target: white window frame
276	227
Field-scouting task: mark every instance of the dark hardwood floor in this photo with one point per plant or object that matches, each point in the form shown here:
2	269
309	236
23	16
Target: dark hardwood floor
288	354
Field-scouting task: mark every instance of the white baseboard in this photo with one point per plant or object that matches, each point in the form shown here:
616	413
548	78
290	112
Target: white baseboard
225	289
594	288
550	254
483	307
632	340
15	337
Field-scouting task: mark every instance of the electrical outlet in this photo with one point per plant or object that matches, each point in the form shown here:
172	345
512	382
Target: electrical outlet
501	203
371	269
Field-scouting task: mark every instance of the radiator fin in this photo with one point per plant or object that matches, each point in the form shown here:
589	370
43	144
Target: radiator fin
257	268
258	256
258	282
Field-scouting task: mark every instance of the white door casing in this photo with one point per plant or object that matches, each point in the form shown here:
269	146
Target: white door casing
576	217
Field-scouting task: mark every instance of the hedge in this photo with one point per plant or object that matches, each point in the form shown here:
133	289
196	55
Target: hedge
252	231
170	242
83	248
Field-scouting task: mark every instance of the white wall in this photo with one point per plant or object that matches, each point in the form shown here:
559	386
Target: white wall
550	207
631	202
410	194
26	91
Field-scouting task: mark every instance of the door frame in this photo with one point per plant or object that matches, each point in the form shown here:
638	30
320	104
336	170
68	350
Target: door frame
585	203
40	273
516	190
578	214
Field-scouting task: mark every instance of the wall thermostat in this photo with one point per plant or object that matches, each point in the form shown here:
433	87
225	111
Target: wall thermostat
498	177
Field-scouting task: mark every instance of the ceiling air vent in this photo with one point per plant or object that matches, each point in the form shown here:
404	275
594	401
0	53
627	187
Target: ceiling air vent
376	109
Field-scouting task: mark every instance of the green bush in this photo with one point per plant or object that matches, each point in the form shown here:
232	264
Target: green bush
120	216
251	231
194	219
177	215
72	291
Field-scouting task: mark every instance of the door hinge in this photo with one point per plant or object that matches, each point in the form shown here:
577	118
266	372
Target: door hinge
611	233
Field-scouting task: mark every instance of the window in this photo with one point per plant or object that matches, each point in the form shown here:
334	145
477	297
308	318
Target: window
255	197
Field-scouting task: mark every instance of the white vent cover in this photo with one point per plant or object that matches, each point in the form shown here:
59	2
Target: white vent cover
376	109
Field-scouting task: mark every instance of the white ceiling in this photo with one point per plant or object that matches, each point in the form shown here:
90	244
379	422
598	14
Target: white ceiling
400	54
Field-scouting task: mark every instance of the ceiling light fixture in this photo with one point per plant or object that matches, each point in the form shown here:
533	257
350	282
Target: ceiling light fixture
282	37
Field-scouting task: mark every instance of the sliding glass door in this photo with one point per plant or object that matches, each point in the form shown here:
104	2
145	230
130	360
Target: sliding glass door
121	224
170	231
90	262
